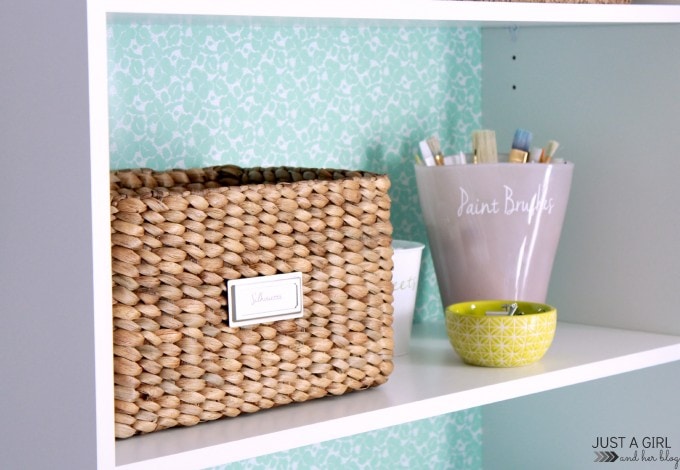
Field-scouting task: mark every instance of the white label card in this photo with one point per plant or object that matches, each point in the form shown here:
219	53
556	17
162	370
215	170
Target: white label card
264	299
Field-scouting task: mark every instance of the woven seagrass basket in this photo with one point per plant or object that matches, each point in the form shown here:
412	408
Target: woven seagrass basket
179	235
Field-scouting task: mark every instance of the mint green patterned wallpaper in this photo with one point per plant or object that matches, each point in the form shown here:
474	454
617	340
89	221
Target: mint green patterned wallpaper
198	92
444	442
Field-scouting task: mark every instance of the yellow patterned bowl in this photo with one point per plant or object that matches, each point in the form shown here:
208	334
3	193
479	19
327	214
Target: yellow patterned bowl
483	334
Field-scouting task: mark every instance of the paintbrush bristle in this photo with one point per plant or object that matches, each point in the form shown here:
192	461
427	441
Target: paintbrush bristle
433	143
551	148
484	146
522	140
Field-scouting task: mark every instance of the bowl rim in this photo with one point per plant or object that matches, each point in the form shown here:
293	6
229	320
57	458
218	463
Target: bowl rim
496	304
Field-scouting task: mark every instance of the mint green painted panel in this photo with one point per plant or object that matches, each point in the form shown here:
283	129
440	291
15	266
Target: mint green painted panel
452	441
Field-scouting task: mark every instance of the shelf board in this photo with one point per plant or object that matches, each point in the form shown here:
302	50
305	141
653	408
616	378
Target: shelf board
411	12
429	381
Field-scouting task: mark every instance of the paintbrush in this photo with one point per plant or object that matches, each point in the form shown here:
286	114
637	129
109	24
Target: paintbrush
549	151
520	146
433	144
484	146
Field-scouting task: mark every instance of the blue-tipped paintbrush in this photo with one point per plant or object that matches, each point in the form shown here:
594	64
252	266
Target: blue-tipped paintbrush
520	146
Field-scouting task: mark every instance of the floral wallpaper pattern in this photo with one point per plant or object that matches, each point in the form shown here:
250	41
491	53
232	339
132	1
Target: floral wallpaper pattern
190	92
445	442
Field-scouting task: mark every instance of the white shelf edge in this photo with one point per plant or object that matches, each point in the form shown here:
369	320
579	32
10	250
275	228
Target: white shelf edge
101	234
556	370
471	13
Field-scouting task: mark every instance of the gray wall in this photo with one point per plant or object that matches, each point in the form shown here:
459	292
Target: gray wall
47	372
556	430
611	96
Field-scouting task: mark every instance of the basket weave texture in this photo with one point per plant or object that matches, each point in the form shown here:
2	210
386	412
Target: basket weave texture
178	235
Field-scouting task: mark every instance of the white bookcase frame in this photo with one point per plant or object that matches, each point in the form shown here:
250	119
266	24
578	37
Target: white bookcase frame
428	382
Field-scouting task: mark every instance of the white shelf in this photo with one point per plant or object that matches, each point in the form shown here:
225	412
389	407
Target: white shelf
466	13
431	380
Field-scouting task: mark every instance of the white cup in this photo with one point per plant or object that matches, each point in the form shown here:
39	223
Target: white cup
407	255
